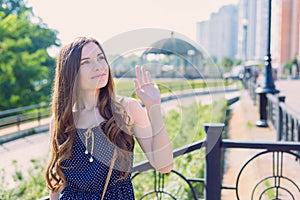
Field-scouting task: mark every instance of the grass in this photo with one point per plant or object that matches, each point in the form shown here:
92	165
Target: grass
271	192
250	125
30	186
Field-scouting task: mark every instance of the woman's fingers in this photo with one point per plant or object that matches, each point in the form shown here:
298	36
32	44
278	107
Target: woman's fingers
138	75
144	76
148	77
136	85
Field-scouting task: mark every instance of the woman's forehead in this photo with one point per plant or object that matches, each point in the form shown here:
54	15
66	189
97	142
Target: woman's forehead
90	49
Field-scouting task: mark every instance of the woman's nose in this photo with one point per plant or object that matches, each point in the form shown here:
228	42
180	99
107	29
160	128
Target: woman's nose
97	67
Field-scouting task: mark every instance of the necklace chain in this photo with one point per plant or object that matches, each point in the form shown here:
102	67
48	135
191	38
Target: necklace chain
89	133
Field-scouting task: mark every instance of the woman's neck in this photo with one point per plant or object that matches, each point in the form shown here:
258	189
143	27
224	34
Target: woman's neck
89	99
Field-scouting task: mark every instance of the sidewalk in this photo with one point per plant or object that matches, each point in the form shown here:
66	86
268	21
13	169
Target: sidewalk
242	128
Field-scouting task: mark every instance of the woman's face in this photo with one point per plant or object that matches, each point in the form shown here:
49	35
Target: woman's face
93	71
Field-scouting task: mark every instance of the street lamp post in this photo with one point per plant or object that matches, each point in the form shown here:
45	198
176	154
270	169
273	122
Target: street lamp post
268	85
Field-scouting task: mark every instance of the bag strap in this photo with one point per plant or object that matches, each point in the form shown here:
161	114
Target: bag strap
109	173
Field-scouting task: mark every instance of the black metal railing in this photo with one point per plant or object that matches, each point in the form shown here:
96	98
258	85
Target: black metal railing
17	116
274	184
252	85
159	190
284	119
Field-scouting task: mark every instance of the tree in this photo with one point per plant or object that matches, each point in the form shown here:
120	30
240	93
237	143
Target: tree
26	69
226	63
16	7
237	62
288	66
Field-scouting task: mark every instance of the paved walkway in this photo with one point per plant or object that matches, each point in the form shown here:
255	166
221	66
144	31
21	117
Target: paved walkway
242	128
290	89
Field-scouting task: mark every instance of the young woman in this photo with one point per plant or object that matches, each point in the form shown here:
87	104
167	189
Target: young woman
92	130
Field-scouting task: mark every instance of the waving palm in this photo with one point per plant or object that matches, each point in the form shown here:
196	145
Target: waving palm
145	90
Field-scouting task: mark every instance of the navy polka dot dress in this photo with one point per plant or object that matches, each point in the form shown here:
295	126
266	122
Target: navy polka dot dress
85	179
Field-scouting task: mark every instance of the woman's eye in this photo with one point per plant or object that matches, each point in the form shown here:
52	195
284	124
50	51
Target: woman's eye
100	57
84	63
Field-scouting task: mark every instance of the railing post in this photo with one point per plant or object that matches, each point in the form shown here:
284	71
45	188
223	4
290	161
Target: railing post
254	93
279	120
19	122
39	115
213	161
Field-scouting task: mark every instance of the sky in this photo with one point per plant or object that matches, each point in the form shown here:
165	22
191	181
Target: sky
105	19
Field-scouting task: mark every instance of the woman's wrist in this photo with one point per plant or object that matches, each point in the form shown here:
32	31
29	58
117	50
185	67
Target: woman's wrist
155	118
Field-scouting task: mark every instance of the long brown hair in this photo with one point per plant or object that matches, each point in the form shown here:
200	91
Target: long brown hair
63	128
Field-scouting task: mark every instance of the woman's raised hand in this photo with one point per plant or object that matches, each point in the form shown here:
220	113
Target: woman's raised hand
145	90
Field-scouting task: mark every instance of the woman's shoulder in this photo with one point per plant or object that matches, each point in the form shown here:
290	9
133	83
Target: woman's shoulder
132	107
128	102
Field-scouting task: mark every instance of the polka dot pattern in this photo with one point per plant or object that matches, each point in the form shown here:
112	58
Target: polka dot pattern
86	180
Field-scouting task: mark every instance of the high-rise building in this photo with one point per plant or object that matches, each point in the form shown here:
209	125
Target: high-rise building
242	30
285	31
261	30
203	34
252	29
218	34
295	32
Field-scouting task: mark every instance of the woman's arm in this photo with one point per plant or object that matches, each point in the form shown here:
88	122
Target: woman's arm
148	125
152	136
54	195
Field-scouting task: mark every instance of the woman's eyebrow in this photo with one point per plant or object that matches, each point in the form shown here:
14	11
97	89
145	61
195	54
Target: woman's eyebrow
84	58
99	54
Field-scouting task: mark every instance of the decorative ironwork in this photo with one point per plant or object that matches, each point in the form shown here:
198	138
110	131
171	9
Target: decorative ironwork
159	190
277	177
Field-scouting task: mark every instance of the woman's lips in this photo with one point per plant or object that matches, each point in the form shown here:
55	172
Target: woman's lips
98	76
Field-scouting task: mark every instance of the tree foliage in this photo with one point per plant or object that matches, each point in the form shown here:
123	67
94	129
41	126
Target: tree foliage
226	63
25	65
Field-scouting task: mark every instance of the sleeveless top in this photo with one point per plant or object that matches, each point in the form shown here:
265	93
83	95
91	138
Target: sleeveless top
85	179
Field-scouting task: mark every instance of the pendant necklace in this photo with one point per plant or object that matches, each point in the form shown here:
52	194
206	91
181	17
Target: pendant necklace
89	133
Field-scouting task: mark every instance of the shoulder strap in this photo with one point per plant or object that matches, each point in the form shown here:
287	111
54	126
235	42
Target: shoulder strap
109	173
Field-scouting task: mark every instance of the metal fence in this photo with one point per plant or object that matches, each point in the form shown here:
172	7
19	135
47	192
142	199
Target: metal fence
275	183
17	116
283	118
